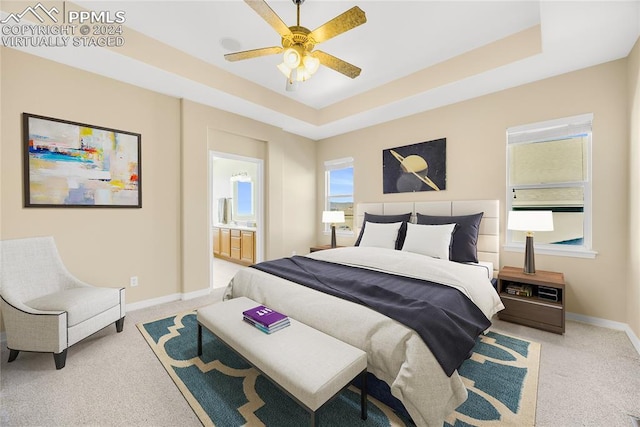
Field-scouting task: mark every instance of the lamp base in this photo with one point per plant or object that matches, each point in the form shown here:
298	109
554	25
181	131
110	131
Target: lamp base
333	236
529	257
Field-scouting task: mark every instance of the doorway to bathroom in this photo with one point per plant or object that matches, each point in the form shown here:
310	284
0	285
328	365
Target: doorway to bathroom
236	214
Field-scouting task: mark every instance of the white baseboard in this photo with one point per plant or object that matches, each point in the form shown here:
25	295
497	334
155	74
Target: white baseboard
196	294
596	321
167	298
154	301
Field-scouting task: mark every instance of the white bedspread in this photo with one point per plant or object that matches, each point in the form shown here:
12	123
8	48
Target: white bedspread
396	354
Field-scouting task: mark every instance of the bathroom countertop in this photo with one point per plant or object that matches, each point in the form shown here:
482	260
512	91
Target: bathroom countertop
235	226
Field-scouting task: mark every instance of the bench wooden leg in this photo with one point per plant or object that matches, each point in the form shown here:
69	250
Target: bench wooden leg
199	339
363	396
314	418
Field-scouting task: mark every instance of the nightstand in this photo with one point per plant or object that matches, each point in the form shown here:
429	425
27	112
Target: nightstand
535	300
321	248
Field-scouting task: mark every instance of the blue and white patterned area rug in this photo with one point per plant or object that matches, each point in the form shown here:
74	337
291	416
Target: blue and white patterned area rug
224	391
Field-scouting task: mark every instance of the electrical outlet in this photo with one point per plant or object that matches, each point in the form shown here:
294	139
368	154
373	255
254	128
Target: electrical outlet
133	281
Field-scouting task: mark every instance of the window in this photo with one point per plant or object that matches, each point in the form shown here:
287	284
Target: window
549	168
338	190
243	197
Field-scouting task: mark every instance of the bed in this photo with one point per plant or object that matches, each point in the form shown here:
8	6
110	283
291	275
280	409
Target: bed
396	354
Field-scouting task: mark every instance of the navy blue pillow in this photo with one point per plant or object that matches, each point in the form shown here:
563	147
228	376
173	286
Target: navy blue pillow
465	236
386	219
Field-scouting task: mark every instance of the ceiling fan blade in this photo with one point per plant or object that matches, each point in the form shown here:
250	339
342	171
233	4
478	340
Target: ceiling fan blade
263	9
254	53
338	25
337	64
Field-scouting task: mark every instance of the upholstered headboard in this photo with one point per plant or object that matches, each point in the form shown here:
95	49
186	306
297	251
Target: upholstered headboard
488	237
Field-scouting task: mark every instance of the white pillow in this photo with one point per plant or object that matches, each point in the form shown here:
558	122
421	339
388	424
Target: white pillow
431	240
380	235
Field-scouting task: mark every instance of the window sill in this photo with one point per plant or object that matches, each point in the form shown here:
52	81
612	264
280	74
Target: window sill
573	252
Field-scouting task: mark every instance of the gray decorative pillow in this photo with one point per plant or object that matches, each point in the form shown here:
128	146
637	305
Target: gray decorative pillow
465	236
386	219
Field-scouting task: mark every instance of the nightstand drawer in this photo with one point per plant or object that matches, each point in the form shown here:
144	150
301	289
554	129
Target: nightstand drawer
532	310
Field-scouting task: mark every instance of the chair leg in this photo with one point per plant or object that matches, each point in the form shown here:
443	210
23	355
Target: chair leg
120	324
13	354
60	358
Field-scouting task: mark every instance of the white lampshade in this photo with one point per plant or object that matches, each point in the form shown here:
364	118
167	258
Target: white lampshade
311	63
292	57
333	217
284	69
530	221
303	75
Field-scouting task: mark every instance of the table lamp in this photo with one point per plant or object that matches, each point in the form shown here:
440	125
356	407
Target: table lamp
530	221
333	218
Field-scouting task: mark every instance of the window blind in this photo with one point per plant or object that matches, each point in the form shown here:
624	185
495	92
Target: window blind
554	129
330	165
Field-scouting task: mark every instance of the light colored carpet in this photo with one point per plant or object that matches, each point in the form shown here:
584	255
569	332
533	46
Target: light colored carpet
588	377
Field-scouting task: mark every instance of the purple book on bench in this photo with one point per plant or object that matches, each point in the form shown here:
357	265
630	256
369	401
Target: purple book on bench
264	315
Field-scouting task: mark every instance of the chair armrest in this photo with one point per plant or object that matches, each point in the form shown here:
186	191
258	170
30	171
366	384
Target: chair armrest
34	330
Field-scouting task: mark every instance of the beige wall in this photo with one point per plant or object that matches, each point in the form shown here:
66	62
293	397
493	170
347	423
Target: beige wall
289	184
476	168
100	246
633	289
166	243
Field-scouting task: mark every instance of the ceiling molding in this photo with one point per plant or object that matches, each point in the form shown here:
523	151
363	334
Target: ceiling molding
531	41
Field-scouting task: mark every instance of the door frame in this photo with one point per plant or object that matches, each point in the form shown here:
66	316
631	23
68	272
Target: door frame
260	223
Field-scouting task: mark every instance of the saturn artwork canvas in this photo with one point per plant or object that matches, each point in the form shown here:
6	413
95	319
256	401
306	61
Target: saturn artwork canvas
415	167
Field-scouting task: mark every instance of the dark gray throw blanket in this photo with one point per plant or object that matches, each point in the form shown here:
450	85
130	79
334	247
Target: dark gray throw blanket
446	319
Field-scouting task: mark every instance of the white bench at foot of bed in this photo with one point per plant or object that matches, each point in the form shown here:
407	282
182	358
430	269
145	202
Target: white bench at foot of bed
311	366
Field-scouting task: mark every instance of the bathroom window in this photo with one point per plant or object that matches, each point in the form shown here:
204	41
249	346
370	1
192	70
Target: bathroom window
243	197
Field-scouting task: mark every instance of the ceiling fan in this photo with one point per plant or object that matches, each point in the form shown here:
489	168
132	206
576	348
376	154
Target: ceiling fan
300	61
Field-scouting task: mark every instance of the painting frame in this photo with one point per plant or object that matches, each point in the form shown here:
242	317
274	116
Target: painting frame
68	164
415	168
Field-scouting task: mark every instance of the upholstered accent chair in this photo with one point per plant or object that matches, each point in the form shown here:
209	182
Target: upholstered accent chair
44	307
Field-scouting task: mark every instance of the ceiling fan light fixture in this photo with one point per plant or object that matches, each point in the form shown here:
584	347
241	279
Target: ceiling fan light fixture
299	63
311	63
284	70
292	57
302	74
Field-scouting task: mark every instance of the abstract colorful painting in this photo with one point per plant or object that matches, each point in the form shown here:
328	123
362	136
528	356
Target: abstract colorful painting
415	167
74	164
